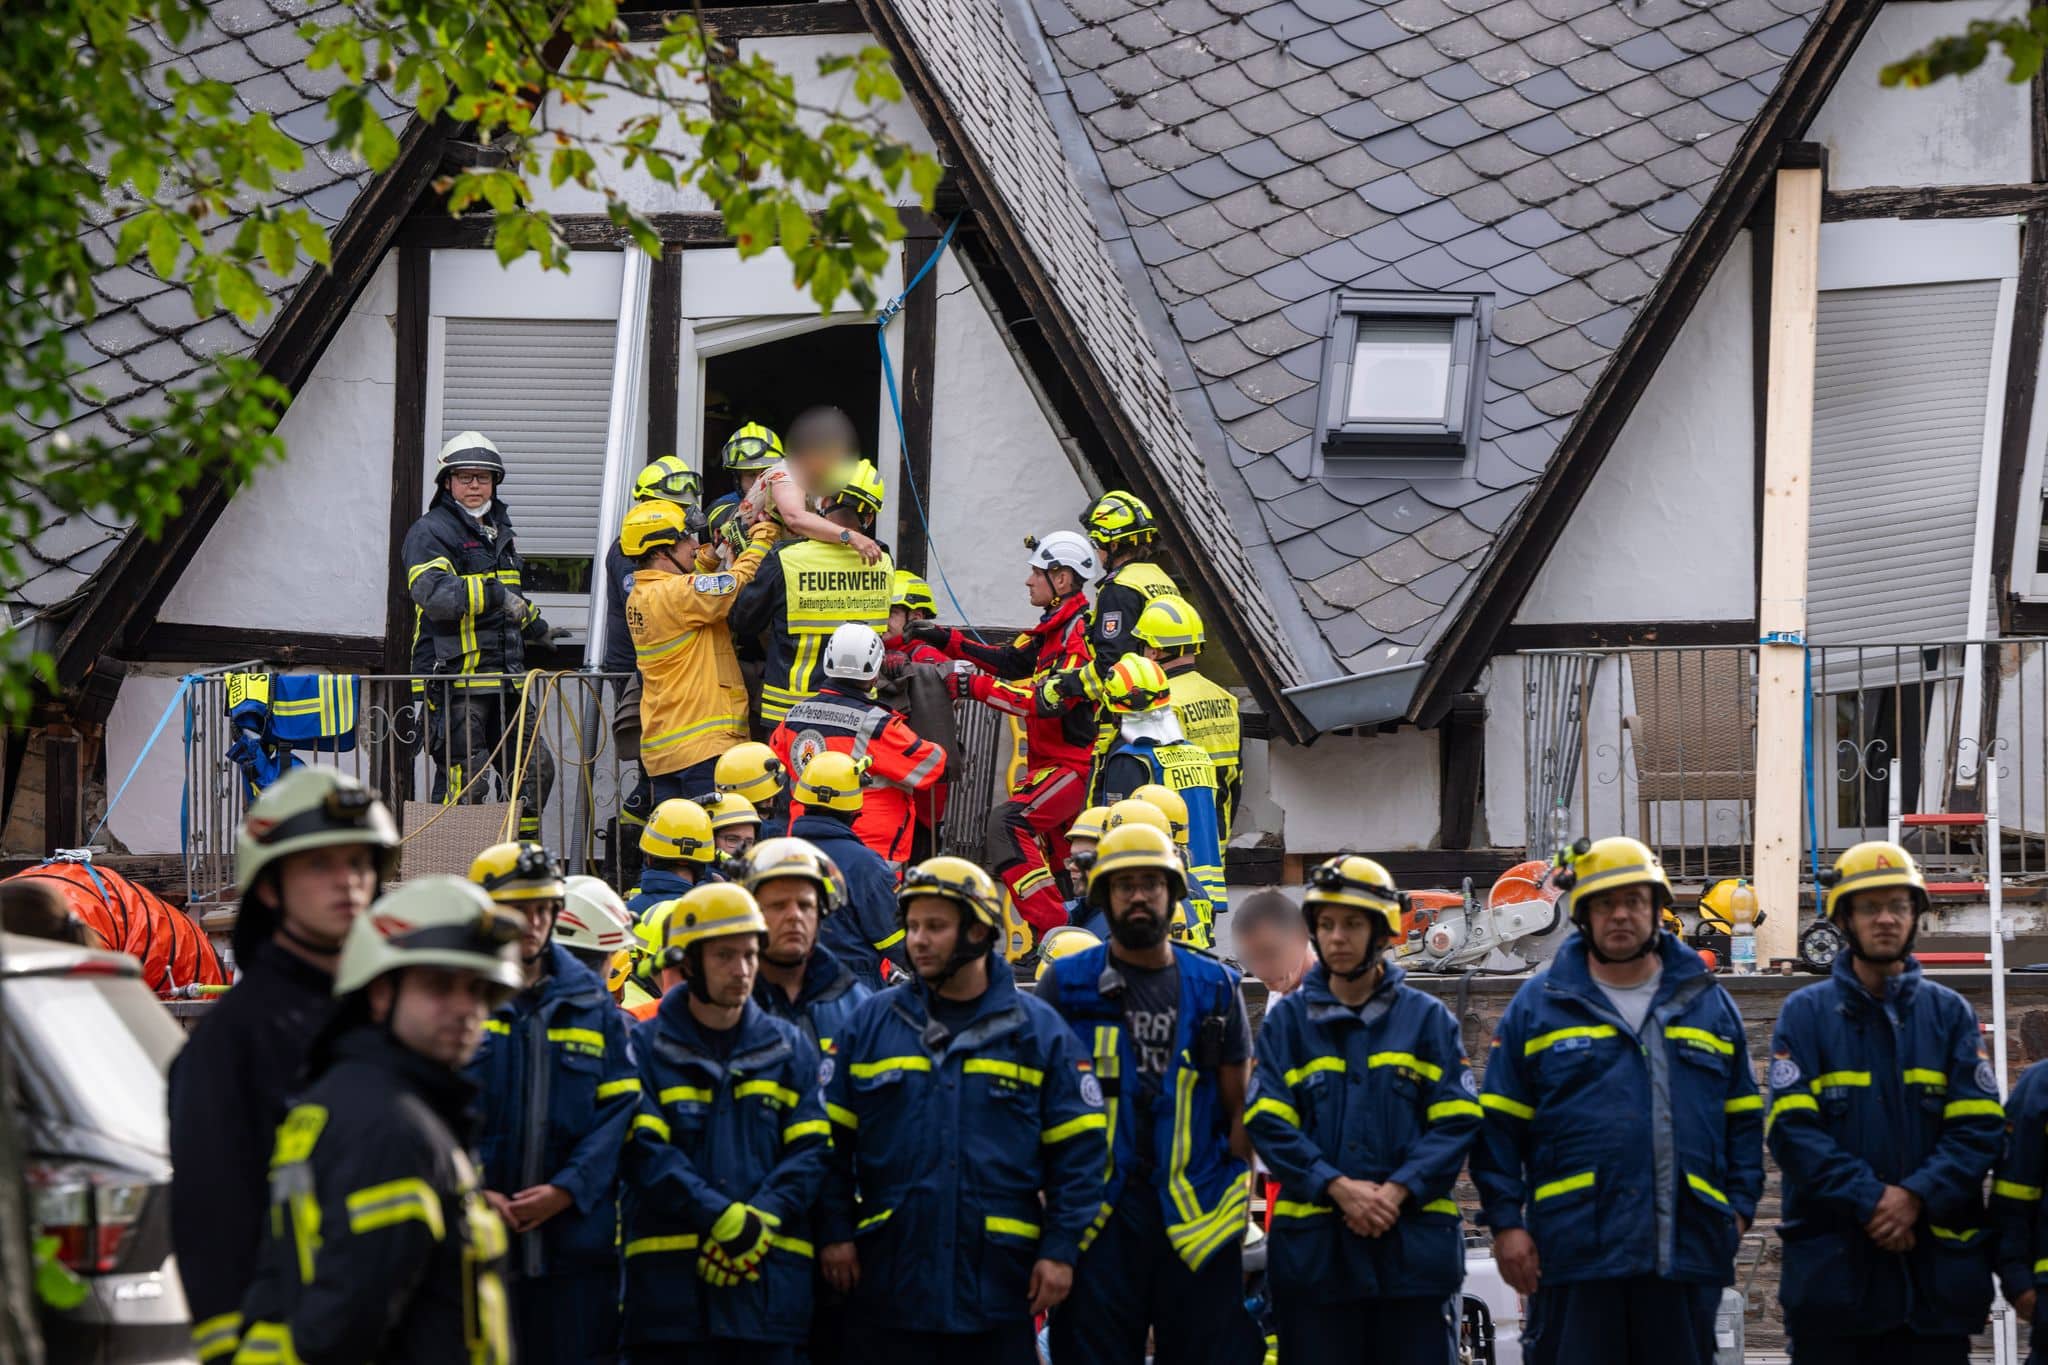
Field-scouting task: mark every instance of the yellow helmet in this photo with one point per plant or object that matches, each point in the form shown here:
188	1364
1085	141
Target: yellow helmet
859	486
520	871
1136	684
311	808
956	880
1725	899
1360	883
1170	622
750	770
773	859
1092	823
1873	866
653	928
1170	805
679	829
831	781
1132	811
1132	847
668	479
753	446
906	589
593	918
657	523
433	922
1118	516
729	810
1063	940
1606	864
714	910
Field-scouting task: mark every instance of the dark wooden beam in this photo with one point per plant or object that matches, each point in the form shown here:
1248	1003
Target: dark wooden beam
665	354
1462	756
130	588
1620	634
63	791
1932	201
1527	541
408	444
177	642
755	21
920	365
2022	375
582	231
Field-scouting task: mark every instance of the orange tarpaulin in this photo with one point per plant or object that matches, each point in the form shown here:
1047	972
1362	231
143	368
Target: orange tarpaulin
170	945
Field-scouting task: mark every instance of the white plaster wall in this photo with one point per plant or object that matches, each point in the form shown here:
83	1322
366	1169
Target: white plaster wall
1665	531
146	821
998	474
794	57
1506	800
304	545
1971	131
1357	792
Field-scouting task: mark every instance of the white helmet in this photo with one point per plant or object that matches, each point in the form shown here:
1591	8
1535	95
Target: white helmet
853	652
1064	550
593	918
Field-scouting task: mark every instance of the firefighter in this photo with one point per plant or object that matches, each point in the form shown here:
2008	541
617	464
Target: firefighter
1166	1028
596	928
1884	1119
844	717
809	588
2018	1185
967	1146
725	1157
746	454
824	450
677	847
1082	837
471	626
378	1244
1363	1105
753	772
864	934
735	824
1017	678
314	850
1619	1164
1170	629
1151	751
910	599
558	1090
693	703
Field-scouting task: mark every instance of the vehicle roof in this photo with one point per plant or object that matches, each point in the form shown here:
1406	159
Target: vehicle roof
21	955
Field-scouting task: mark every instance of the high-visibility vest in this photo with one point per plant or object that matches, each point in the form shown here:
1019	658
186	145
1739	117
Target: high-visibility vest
825	586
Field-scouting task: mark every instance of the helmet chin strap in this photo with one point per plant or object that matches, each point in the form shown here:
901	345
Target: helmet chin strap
1593	945
1375	949
964	952
1856	948
311	945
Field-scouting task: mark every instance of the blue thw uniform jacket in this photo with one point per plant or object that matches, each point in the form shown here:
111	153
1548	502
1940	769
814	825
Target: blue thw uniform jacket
1082	915
2017	1188
1185	767
1380	1093
942	1147
1184	1145
752	1129
1867	1093
558	1089
658	884
863	931
1622	1155
824	1003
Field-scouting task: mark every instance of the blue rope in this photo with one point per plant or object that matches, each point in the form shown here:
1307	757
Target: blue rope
177	700
882	321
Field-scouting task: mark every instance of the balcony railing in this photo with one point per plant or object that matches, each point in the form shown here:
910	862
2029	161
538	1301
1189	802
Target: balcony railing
1660	743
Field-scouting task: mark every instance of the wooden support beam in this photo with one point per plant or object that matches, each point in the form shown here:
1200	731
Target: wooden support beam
1462	766
63	792
434	227
755	21
920	366
1781	608
408	444
665	354
1933	201
177	642
1619	634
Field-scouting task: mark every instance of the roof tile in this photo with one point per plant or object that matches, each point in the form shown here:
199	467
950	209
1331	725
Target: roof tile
1215	132
1232	40
1281	21
1248	253
1555	46
1345	214
1357	535
1264	432
1362	119
1275	67
1295	235
1310	140
1222	356
1200	227
1512	19
1495	156
1307	557
1398	610
1261	158
1318	94
1189	16
1484	249
1274	335
1184	58
1402	148
1354	585
1292	281
1643	97
1211	178
1267	113
1364	75
1160	196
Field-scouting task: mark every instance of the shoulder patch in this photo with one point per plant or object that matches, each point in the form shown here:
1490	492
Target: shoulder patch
715	584
825	1068
1091	1092
1112	624
1784	1073
1987	1078
1470	1082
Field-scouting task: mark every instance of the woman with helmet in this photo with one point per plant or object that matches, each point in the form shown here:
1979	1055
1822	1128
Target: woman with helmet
1620	1160
314	850
1884	1118
751	770
378	1245
1366	1240
968	1148
725	1158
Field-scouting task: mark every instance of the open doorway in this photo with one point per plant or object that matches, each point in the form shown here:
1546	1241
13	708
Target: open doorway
773	382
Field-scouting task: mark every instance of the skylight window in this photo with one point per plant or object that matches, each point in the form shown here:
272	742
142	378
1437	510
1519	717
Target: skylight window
1402	383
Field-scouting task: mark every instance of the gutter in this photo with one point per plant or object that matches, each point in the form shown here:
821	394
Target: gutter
1361	699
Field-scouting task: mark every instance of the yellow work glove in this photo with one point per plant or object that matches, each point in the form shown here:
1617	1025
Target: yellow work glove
716	1271
740	1237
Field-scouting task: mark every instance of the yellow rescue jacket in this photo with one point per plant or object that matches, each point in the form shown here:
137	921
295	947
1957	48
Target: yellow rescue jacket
693	702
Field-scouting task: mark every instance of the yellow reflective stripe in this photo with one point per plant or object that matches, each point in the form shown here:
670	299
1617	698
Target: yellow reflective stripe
657	650
1704	1188
1015	1227
1788	1103
884	945
497	1026
1180	1146
394	1202
1407	1059
1962	1109
268	1342
1085	1123
1289	1208
1195	1241
1555	1036
1837	1079
412	575
628	1086
1279	1109
2012	1189
1441	1206
863	1070
659	1127
1447	1109
1583	1180
797	1245
1742	1104
1920	1075
768	1090
2041	1266
659	742
872	1219
1699	1037
1954	1234
641	1246
1313	1065
685	1094
1501	1104
988	1066
580	1037
808	1128
842	1116
217	1336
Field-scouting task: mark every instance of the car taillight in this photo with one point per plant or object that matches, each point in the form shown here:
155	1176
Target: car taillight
89	1210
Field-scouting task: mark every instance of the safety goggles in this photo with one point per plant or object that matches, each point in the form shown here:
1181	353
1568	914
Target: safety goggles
741	449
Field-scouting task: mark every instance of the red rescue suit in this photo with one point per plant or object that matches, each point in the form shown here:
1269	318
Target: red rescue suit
901	766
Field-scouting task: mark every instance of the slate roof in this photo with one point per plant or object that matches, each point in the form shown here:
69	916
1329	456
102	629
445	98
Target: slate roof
146	339
1243	160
